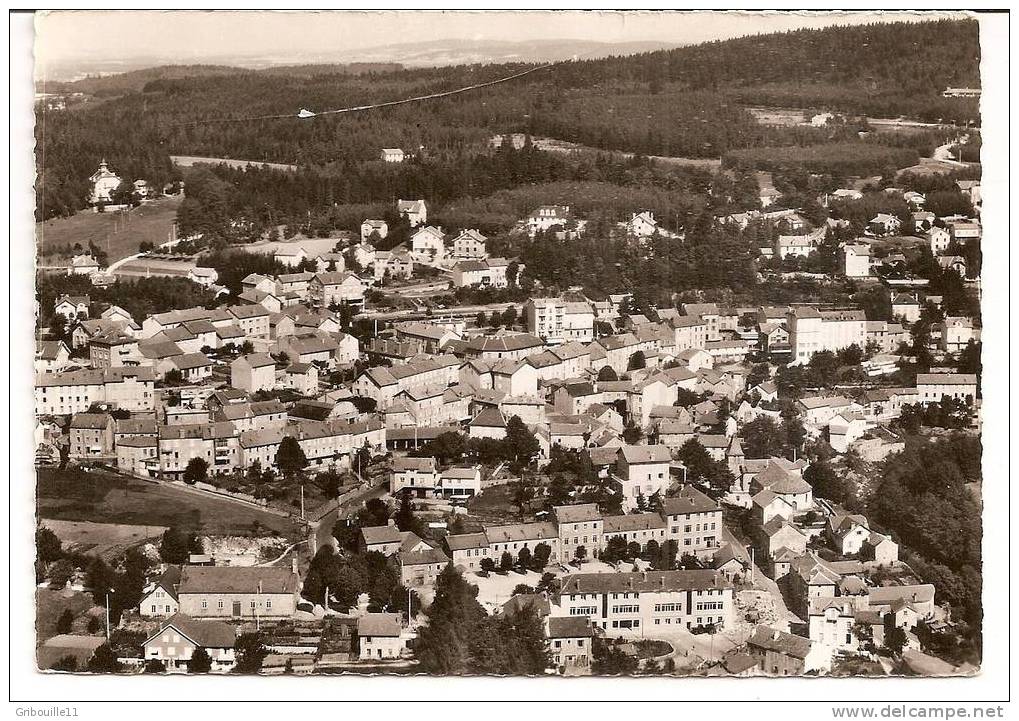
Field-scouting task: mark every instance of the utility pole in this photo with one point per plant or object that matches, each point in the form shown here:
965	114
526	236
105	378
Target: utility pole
302	501
108	613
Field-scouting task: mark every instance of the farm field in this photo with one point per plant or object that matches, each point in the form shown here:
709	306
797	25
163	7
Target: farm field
564	146
186	161
101	539
103	497
119	234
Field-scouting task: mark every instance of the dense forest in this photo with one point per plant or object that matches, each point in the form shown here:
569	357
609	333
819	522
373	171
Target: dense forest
925	499
681	102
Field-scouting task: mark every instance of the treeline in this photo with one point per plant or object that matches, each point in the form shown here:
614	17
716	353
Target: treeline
916	57
683	91
603	261
140	297
838	159
243	204
925	500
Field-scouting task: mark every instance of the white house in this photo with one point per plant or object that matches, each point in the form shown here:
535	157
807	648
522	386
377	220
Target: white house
415	211
379	636
856	260
180	636
104	183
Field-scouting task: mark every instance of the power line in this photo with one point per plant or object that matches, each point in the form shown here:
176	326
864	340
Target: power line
307	114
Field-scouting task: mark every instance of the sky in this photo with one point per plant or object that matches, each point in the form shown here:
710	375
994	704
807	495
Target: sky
67	37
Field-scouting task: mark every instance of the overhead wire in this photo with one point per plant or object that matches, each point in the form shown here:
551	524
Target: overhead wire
308	114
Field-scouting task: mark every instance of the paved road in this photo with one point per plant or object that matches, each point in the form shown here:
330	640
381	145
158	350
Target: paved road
943	153
320	531
115	266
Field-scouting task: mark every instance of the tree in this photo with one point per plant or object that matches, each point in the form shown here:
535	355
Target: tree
60	573
827	483
607	373
174	377
487	565
176	546
667	555
580	554
479	320
512	273
65	621
362	458
542	552
197	471
762	438
895	637
154	665
405	518
795	433
632	433
759	373
505	562
200	661
520	445
524	558
290	458
522	589
699	464
250	653
609	660
47	546
104	660
637	361
521	495
547	584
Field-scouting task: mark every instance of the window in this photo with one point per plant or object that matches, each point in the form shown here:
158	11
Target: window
205	604
268	603
153	608
219	604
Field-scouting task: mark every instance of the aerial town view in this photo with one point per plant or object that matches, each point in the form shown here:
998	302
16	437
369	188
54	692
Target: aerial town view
564	358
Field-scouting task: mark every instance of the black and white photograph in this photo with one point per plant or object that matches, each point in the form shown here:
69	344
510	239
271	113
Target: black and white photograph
548	345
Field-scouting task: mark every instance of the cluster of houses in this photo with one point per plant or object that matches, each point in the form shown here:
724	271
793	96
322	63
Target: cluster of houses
228	385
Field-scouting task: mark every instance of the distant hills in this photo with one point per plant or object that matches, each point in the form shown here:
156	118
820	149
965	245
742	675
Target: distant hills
103	76
437	53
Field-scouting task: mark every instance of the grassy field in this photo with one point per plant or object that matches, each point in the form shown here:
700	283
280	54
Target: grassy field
102	539
100	497
50	604
186	161
117	233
